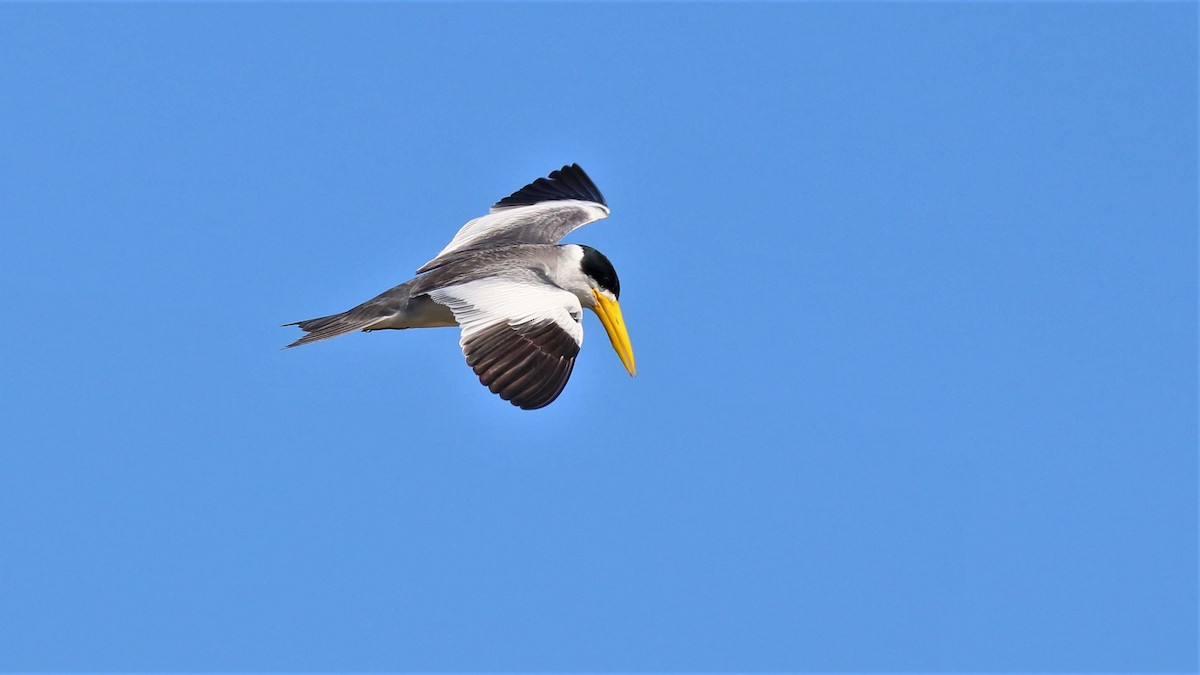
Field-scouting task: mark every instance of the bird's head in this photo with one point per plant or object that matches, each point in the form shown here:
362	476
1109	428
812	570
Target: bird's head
606	289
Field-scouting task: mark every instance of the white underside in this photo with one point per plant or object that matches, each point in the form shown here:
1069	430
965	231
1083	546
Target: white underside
486	302
422	312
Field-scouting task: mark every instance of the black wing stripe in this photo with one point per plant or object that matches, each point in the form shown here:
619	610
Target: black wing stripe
536	392
549	339
521	357
540	391
562	381
527	365
528	393
553	386
511	378
497	347
524	379
493	347
569	182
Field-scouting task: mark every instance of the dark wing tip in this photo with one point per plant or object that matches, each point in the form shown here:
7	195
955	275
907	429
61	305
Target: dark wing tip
526	365
569	182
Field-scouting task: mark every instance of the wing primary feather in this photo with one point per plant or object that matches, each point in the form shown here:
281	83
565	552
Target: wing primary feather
542	212
494	370
531	373
517	371
523	364
481	347
535	393
520	338
543	393
569	182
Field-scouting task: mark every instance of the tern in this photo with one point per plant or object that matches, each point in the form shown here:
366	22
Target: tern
515	293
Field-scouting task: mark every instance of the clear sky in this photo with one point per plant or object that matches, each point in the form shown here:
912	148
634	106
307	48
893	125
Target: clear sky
912	289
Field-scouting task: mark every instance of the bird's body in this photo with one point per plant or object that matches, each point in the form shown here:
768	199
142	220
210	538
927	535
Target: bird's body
516	294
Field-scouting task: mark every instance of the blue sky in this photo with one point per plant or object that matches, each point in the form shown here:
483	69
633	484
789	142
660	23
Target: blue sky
912	289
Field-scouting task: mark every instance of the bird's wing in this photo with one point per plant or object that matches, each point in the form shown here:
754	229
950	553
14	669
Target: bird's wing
520	335
542	212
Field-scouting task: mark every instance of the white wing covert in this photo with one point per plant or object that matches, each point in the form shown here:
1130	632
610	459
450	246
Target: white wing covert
519	335
542	212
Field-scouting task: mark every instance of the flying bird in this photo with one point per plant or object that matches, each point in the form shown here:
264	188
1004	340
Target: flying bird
515	293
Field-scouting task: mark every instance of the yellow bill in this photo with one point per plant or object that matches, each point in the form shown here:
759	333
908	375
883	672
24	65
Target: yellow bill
609	312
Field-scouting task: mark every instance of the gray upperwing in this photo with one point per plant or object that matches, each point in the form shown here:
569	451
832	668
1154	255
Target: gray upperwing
542	212
545	223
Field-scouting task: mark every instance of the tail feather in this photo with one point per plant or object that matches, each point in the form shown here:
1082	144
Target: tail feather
330	326
371	312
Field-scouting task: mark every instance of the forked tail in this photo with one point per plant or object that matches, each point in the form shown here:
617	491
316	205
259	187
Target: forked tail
376	310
